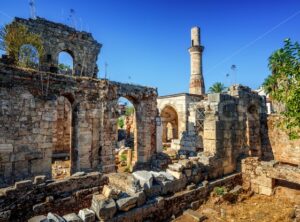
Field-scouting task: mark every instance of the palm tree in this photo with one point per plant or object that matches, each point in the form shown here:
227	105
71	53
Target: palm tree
217	87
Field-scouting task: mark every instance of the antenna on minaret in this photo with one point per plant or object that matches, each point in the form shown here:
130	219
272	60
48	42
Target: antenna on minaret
32	9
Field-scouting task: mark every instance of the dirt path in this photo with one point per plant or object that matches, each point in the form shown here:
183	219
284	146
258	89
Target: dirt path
257	208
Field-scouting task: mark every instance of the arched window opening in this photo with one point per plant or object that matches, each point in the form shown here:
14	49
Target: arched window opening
28	56
169	120
62	135
126	134
65	63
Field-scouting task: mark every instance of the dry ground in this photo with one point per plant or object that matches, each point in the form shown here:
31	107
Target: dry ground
258	208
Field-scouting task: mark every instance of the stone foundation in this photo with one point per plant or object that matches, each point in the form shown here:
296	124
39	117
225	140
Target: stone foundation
260	176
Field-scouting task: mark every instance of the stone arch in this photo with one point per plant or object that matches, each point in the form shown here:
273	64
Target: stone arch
253	130
66	67
29	56
169	116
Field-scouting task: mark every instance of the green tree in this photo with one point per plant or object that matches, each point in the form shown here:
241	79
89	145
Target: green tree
121	122
129	110
19	43
217	87
283	85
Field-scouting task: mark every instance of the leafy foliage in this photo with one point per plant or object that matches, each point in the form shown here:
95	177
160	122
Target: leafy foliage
123	157
220	191
19	44
121	122
129	110
217	87
283	85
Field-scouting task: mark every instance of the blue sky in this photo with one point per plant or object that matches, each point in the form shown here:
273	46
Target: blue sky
146	42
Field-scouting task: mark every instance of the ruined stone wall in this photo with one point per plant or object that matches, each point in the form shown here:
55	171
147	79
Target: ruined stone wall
277	144
56	38
260	176
232	128
41	196
29	113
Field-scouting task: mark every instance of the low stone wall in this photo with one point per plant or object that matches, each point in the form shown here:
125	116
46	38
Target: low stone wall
281	147
259	176
162	208
27	198
139	197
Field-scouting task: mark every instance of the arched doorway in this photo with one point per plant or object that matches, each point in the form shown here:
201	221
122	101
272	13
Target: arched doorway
62	139
28	56
126	134
169	120
253	131
65	63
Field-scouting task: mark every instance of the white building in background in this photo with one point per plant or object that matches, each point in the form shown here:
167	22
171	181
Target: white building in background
262	92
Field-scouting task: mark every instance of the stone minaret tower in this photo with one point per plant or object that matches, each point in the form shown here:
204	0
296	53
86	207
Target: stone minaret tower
196	49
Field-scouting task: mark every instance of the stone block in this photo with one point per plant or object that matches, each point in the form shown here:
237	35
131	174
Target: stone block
40	218
125	204
195	215
72	218
141	198
39	179
176	167
177	175
54	218
188	172
265	190
144	177
103	207
23	184
186	163
111	192
87	215
195	205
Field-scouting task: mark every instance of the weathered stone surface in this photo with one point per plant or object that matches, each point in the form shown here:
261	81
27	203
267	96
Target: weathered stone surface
162	176
72	218
177	175
111	192
125	204
124	182
5	215
195	215
87	215
144	177
176	167
55	218
103	207
141	198
40	218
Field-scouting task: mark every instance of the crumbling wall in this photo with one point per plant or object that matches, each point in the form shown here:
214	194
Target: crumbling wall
29	114
277	144
56	38
260	176
232	129
40	196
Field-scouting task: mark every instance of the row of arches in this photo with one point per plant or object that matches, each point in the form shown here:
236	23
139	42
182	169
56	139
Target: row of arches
29	58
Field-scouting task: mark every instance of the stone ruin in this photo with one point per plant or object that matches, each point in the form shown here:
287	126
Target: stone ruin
222	139
61	38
